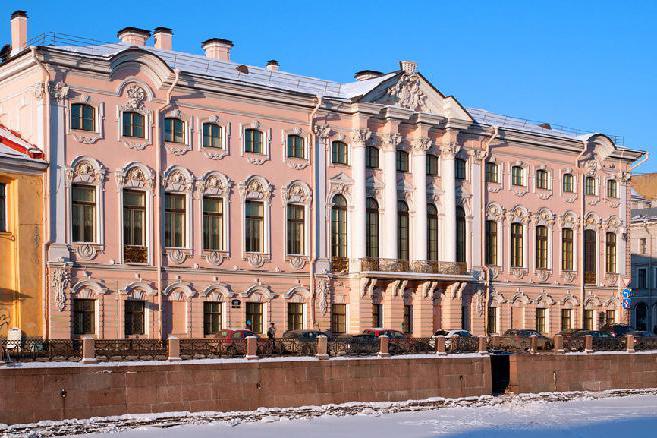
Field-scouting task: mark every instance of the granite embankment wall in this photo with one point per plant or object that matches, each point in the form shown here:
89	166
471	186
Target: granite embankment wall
29	394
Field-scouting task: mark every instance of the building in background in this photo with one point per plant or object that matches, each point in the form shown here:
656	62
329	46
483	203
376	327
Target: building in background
22	170
187	193
644	268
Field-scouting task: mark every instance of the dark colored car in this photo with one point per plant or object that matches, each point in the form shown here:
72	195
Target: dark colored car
308	335
392	334
617	329
542	342
302	342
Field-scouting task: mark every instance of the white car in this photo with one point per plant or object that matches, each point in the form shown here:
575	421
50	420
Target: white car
449	334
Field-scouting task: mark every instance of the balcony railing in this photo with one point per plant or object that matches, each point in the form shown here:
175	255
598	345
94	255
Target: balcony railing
340	264
589	278
371	264
135	254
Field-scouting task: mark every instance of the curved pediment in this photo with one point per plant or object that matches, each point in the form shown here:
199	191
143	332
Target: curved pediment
135	59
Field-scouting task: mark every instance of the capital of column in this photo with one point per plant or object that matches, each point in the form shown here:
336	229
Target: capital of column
360	136
477	154
448	150
389	142
421	145
322	131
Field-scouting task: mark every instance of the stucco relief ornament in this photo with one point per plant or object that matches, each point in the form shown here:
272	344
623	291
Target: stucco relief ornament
389	142
421	144
545	195
39	90
407	93
85	171
323	291
479	300
568	276
256	260
214	258
178	180
86	251
255	187
296	192
136	98
322	131
360	136
177	256
518	273
59	91
60	283
297	262
543	275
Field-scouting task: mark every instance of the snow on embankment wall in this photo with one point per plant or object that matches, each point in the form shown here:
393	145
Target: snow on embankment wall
31	394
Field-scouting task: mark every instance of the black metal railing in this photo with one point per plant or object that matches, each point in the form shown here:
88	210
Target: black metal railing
411	346
212	348
285	347
38	349
130	349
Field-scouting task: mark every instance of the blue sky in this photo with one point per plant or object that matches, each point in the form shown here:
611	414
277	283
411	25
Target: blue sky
590	65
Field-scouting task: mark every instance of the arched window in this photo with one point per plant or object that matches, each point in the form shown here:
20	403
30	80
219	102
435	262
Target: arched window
459	168
339	152
460	235
339	227
174	130
567	249
403	232
83	117
432	232
610	254
295	146
372	157
542	179
491	243
402	161
253	141
212	136
590	186
133	125
589	256
541	247
372	224
517	245
517	176
432	165
612	189
641	313
568	185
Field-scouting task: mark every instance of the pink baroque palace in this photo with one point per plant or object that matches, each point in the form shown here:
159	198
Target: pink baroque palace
189	194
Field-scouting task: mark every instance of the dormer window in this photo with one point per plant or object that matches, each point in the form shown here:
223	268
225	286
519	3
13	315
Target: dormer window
83	117
212	136
133	125
517	177
568	183
253	141
174	130
590	186
295	146
542	179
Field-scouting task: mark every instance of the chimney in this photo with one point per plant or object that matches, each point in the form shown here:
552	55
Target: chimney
364	75
272	65
18	31
163	38
133	36
545	125
217	48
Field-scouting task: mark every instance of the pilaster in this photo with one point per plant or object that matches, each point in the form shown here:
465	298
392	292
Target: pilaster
419	156
448	150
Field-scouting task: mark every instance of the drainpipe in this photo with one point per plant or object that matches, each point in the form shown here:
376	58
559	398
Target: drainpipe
45	213
484	267
313	243
643	159
158	230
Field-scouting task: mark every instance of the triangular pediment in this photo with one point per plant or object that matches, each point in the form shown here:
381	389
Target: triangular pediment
341	178
411	91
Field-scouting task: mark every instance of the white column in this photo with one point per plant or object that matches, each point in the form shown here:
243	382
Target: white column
319	204
447	178
389	144
420	146
359	194
621	250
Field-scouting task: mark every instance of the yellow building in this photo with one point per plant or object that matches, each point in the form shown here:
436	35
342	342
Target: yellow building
21	235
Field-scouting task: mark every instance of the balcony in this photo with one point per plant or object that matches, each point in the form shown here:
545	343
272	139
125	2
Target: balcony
340	264
135	254
370	264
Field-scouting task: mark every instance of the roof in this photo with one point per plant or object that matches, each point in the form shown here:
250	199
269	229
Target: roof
643	214
13	146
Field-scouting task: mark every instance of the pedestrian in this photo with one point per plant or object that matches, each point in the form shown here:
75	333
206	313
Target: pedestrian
248	325
271	332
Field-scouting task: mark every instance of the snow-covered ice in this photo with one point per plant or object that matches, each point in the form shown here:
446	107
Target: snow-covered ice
609	414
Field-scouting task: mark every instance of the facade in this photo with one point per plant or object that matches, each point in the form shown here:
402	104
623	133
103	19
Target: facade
189	193
644	269
21	235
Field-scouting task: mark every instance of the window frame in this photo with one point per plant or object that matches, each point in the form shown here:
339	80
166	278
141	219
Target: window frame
402	161
542	179
518	176
432	165
339	228
212	316
568	183
566	316
340	153
491	256
145	223
84	205
567	249
433	243
403	231
492	172
338	319
372	226
247	141
372	157
88	316
461	235
259	327
254	219
611	252
295	319
612	189
542	247
131	125
213	217
174	136
134	313
220	137
517	245
81	117
296	148
296	223
542	320
460	169
590	186
176	212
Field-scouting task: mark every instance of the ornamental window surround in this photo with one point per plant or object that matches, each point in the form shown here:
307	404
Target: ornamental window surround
133	119
517	176
178	183
296	197
295	148
339	152
492	172
256	142
213	137
85	119
177	132
256	194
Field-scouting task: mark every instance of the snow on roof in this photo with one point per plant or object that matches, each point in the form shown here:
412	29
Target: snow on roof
13	146
643	214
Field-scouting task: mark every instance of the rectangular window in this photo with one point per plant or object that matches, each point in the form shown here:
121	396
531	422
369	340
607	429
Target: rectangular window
84	316
459	168
612	189
610	317
568	183
403	233
133	125
491	243
295	147
402	161
610	256
254	317
517	178
211	317
566	319
253	141
432	165
516	245
492	320
174	220
491	173
83	213
642	274
643	245
83	117
213	223
372	157
590	257
295	229
590	185
377	315
254	226
294	316
541	179
540	320
432	232
407	326
3	207
134	226
339	152
566	249
174	130
134	317
541	247
588	319
338	318
212	137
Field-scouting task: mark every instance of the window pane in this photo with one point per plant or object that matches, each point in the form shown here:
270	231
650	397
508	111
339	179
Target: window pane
432	232
338	318
211	317
254	222
516	245
83	211
372	157
212	135
339	227
402	231
491	243
295	229
339	152
460	235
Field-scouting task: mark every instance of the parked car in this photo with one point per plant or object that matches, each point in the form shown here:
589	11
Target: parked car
392	334
307	335
363	344
234	340
542	342
617	329
301	341
641	334
449	334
